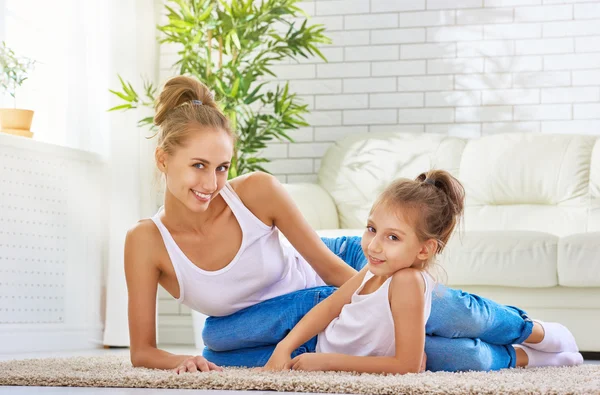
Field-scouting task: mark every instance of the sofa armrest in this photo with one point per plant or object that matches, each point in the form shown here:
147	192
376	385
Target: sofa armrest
315	204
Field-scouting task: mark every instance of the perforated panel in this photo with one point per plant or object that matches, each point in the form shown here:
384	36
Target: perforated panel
33	237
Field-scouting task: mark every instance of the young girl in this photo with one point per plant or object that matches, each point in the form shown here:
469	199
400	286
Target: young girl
375	323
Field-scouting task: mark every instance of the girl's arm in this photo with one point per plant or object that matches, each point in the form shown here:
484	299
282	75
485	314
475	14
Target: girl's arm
407	302
314	322
268	200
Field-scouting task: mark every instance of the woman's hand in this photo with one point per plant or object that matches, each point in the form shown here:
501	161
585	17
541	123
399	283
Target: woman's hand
280	360
311	362
197	363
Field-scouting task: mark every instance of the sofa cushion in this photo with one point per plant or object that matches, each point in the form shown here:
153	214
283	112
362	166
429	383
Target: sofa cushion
579	260
315	204
557	220
498	258
515	181
501	258
528	182
357	168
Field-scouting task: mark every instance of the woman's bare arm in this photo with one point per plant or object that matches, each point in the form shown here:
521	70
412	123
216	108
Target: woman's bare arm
142	273
264	195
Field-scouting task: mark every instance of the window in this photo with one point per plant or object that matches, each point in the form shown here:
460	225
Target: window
68	89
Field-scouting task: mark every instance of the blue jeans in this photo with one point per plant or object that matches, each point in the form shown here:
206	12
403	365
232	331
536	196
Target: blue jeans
464	331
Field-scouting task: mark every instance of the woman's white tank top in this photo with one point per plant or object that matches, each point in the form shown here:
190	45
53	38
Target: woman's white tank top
263	268
365	326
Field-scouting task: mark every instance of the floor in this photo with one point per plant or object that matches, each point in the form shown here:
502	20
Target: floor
113	391
120	391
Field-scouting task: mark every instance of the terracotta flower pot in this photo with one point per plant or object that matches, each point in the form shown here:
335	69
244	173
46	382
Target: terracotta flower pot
16	121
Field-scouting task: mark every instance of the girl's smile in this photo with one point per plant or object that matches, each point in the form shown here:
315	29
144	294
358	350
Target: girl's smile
374	261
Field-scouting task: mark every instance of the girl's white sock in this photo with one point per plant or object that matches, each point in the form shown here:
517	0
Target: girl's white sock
557	338
540	358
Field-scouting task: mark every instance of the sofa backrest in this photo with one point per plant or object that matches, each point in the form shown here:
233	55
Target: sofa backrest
520	181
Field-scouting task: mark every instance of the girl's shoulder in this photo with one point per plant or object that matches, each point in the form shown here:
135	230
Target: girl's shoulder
407	281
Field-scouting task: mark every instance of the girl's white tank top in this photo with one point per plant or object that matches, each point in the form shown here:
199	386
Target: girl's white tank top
365	326
263	268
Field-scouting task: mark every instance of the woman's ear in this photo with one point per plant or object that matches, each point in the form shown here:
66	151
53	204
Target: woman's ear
428	250
161	159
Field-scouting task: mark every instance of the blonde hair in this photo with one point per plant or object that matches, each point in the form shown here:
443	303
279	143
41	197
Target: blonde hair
185	101
434	201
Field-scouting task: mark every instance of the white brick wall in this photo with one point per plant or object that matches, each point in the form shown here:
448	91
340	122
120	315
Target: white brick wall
460	67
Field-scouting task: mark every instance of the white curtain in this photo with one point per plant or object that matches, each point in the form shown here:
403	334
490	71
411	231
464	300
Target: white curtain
80	47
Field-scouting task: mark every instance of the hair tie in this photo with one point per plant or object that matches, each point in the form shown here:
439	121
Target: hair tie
197	102
429	181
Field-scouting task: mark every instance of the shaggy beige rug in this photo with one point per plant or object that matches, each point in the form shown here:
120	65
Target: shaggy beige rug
116	371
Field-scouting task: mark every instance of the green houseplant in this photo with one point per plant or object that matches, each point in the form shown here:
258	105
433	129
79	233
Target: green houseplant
231	45
13	72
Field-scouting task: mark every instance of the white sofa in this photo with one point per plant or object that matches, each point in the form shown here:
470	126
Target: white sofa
531	232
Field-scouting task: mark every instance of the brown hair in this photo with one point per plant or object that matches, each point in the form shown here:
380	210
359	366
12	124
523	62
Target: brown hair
185	101
435	204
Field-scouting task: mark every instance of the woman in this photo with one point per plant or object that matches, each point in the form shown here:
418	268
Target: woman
215	247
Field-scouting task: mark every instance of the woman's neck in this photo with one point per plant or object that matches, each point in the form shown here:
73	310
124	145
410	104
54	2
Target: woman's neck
179	218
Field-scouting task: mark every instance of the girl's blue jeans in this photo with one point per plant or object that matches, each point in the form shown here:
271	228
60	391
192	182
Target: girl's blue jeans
464	331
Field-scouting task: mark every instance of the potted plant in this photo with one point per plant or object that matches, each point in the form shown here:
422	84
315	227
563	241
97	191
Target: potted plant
13	72
231	46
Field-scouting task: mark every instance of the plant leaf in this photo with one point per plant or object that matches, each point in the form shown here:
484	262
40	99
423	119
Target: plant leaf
244	46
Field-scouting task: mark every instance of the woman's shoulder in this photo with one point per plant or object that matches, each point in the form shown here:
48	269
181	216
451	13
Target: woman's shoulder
143	236
255	189
258	191
143	227
251	184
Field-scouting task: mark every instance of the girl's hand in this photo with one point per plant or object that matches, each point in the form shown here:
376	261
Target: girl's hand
194	364
280	360
311	362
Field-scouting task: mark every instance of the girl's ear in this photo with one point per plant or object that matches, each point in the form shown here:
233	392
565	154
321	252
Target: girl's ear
427	250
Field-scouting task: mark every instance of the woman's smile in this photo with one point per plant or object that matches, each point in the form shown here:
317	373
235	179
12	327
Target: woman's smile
203	197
